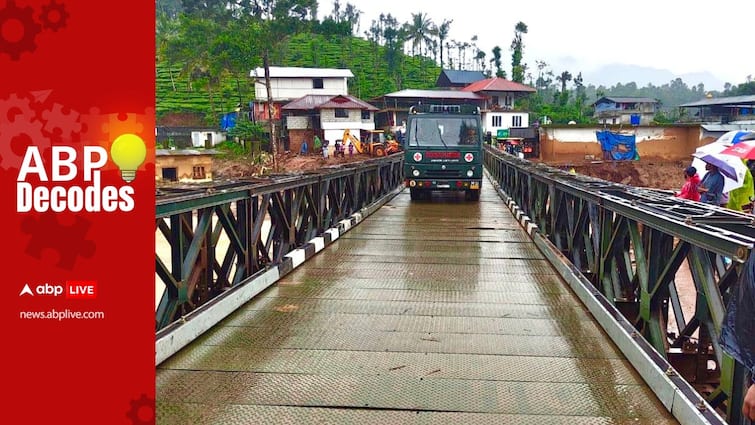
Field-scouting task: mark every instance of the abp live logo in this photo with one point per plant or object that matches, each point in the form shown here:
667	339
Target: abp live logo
73	289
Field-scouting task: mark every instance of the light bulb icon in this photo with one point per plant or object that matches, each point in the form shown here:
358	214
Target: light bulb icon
128	152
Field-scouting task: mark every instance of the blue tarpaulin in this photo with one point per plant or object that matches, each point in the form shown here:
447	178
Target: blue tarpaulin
620	147
228	121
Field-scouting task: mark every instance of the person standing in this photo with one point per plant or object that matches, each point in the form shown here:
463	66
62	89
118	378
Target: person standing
689	189
740	199
712	187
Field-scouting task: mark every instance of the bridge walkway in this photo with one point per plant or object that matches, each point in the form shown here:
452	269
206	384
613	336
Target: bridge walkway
432	312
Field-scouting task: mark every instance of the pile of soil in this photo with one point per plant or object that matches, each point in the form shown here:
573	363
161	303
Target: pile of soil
646	172
223	168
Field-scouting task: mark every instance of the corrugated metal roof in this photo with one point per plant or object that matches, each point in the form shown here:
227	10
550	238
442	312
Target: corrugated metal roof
294	72
727	127
749	99
498	84
185	152
627	99
436	94
462	77
320	101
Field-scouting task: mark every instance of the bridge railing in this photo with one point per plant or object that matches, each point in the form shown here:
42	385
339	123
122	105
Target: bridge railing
635	245
213	238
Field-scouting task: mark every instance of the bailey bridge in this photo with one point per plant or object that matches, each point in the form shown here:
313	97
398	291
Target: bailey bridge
331	298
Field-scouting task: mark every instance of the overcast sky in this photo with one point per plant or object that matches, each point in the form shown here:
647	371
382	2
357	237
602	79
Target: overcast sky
581	35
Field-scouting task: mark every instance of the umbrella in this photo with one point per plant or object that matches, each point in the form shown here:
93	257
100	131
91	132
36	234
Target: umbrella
734	137
731	167
744	149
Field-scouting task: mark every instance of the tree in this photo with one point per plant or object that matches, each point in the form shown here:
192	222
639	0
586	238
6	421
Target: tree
395	36
499	72
278	20
517	47
564	78
442	34
419	31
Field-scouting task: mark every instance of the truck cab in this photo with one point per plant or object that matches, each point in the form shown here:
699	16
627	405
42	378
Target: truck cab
443	150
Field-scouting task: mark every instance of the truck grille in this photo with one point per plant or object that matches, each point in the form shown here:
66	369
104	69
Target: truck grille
442	174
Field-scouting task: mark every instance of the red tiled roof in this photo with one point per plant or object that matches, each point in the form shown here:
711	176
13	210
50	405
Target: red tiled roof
498	84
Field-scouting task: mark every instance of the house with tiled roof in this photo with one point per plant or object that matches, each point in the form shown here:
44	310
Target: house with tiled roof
326	116
498	109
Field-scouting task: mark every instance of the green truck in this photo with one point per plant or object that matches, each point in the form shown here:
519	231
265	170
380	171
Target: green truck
443	150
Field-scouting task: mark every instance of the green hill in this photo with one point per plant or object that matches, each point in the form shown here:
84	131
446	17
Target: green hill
374	75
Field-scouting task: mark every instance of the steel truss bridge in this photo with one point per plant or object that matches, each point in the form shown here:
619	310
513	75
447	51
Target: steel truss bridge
330	296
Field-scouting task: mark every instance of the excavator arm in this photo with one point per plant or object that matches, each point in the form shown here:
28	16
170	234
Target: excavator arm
347	136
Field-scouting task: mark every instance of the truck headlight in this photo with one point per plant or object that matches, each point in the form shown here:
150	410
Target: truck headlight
415	173
470	173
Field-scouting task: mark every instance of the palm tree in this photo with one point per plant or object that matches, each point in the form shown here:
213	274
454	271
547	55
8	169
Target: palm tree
419	31
564	78
442	33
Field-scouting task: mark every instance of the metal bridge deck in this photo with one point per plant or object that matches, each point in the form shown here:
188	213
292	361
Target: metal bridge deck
433	312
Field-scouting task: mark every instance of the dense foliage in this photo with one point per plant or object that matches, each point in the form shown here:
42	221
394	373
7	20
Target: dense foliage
206	50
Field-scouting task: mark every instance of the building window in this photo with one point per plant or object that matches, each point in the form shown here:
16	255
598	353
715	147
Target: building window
342	113
170	174
497	120
365	115
198	173
516	121
317	83
494	100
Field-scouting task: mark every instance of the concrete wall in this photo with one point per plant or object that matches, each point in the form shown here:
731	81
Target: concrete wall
296	136
207	139
663	142
294	122
507	120
184	165
294	88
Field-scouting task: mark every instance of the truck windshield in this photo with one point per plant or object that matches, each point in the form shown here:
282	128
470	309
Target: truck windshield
444	132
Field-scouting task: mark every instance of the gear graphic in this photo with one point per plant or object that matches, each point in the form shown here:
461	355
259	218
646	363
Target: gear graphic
16	108
20	128
142	403
54	16
24	16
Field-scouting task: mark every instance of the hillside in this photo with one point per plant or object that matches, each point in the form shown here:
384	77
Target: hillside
367	61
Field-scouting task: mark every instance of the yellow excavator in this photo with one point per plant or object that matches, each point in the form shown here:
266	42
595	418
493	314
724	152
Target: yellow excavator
371	147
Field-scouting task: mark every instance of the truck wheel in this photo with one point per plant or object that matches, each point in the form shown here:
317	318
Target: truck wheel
379	151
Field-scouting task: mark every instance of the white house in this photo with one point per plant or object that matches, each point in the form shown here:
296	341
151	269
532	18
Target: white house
289	83
498	108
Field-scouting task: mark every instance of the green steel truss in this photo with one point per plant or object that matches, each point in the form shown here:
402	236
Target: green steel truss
633	244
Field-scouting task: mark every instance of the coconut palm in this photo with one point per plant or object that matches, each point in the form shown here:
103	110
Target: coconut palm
419	31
